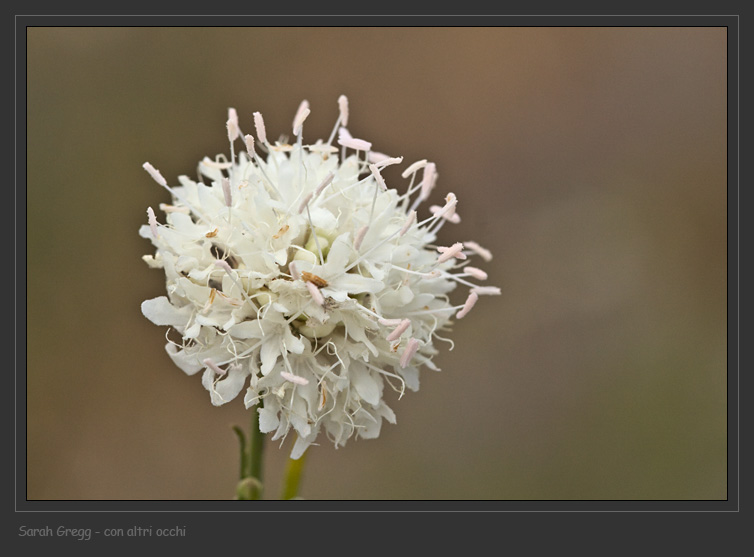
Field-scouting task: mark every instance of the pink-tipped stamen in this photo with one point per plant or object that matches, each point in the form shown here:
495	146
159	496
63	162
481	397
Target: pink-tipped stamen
347	140
399	330
408	353
232	124
476	273
377	176
428	180
213	366
249	140
155	174
305	202
479	250
409	221
326	182
389	322
487	290
360	236
418	165
293	270
315	293
470	301
456	250
152	221
301	115
226	192
259	126
343	108
294	378
224	266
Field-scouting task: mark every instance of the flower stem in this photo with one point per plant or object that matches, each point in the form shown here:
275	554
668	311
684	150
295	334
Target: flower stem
292	479
256	450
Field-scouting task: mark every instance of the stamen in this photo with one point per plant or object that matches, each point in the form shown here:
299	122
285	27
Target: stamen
360	237
259	125
476	273
224	266
343	107
377	176
301	114
213	366
418	165
486	290
389	322
456	250
409	221
249	140
152	221
305	202
294	378
346	140
408	353
155	174
479	250
428	180
441	212
470	301
232	125
293	270
325	183
226	192
387	161
399	330
316	294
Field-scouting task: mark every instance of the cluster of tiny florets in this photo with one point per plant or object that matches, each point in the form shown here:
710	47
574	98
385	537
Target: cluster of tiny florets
299	275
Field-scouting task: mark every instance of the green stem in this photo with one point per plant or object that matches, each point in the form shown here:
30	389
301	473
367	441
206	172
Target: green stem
256	450
244	452
292	479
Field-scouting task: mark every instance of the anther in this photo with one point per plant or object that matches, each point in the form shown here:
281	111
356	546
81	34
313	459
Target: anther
224	266
428	180
470	301
476	273
479	250
152	221
213	366
418	165
293	269
316	294
259	125
360	236
399	330
346	140
409	351
486	290
155	174
409	221
389	322
325	183
294	378
343	107
226	192
305	202
456	250
301	114
249	140
232	124
377	176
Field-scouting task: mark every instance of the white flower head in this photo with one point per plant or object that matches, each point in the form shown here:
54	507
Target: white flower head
301	276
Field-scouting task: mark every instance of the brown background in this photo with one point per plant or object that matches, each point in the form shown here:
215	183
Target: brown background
591	161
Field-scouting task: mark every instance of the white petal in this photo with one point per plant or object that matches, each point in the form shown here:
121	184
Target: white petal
365	384
269	355
161	312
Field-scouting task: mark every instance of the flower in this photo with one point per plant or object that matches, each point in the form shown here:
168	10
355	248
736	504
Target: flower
302	277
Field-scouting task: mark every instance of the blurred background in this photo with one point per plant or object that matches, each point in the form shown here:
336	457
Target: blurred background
591	161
